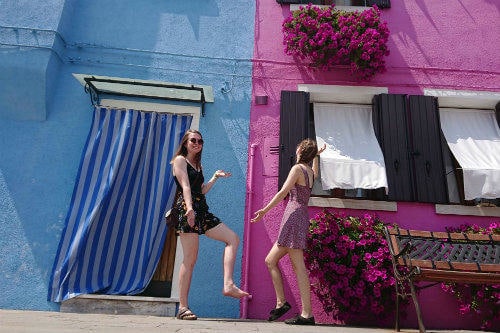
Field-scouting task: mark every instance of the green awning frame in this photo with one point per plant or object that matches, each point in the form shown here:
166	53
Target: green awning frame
96	86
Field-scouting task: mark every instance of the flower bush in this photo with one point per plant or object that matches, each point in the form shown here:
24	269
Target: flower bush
350	266
484	300
326	37
352	274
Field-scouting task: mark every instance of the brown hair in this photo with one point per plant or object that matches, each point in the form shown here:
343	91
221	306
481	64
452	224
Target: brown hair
308	149
182	150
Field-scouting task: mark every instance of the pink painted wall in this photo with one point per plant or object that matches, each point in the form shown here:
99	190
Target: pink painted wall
433	44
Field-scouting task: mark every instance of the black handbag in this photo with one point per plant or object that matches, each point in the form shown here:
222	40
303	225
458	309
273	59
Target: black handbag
172	215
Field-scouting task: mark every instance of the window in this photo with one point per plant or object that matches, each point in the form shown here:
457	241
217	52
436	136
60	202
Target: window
470	121
357	3
474	140
352	159
408	128
297	122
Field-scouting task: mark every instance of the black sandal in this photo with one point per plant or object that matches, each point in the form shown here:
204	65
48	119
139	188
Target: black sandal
299	320
186	314
276	313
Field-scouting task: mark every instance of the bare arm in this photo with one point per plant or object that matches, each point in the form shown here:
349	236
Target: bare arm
292	178
218	174
180	172
315	165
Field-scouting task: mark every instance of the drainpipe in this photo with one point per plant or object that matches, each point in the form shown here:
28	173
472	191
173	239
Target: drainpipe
246	232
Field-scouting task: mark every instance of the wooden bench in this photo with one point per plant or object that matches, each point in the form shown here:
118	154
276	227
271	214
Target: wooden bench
440	257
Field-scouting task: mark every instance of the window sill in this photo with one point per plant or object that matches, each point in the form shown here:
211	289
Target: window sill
468	210
353	204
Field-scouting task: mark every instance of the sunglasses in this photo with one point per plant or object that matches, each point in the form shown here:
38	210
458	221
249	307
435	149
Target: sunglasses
194	140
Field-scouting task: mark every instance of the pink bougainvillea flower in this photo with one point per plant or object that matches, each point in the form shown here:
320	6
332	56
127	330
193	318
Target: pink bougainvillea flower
326	37
355	280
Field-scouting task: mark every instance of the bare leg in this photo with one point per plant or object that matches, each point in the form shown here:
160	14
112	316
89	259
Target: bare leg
190	244
297	258
272	259
224	234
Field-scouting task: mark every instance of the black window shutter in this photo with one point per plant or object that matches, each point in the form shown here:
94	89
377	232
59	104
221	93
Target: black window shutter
294	123
379	3
497	113
391	128
430	174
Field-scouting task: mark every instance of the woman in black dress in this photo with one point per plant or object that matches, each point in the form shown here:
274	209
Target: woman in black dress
194	219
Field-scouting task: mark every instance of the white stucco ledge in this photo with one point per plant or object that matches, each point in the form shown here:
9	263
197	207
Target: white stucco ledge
322	93
465	99
353	204
121	304
127	298
467	210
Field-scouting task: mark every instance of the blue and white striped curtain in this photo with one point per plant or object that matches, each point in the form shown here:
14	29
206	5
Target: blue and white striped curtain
115	226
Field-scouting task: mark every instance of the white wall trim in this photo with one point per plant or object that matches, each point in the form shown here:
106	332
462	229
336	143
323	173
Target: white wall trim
341	94
467	210
465	99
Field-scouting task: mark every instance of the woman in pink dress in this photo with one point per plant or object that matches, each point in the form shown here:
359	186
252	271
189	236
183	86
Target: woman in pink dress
293	232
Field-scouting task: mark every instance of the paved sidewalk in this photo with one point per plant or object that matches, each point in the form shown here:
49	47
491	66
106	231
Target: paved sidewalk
17	321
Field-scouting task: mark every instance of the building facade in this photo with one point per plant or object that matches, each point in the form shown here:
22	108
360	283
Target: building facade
436	49
149	52
47	50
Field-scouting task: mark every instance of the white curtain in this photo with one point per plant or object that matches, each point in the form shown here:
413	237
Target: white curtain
474	139
353	158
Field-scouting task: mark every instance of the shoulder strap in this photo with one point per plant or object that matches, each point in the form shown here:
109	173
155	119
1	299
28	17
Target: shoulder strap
306	176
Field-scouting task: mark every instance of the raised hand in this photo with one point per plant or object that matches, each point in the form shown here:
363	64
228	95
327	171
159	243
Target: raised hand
222	174
322	149
258	216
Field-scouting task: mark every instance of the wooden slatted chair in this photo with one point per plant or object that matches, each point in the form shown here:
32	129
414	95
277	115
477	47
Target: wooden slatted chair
440	257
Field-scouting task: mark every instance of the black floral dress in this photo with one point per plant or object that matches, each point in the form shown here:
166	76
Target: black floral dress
204	220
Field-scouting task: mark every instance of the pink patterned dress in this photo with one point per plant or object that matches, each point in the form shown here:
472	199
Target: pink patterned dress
295	223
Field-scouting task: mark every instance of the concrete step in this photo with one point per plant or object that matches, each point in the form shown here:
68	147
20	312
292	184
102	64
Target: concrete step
117	304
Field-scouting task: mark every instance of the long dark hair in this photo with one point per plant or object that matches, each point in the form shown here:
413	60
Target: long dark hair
308	149
182	150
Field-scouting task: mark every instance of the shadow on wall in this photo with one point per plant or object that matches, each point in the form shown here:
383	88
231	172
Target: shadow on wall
136	24
19	267
36	179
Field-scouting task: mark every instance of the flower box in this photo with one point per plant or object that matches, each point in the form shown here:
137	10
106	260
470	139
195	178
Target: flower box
326	37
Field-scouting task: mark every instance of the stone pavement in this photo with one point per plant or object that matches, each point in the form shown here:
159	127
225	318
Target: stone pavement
19	321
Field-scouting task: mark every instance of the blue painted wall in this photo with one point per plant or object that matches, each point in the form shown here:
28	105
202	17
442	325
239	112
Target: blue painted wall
45	116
